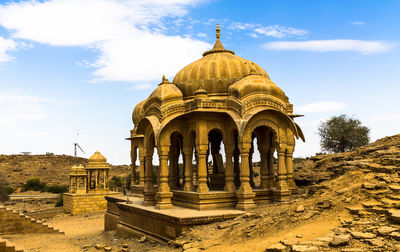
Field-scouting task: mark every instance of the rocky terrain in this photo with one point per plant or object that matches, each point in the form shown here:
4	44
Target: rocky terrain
353	204
52	169
347	202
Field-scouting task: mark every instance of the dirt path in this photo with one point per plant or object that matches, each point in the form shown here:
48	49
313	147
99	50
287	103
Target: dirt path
80	232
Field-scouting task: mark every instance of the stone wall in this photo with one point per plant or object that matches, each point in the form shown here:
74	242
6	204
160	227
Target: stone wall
86	203
12	222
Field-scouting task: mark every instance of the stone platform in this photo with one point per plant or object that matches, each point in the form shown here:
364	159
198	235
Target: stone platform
162	225
86	203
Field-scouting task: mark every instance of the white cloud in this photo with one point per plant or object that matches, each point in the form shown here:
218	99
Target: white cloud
128	35
201	35
357	23
365	47
17	107
143	86
318	107
6	45
276	31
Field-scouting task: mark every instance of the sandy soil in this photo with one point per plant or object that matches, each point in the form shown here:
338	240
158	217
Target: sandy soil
80	232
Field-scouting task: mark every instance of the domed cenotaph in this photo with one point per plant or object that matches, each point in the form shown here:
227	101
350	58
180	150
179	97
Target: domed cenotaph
220	98
206	126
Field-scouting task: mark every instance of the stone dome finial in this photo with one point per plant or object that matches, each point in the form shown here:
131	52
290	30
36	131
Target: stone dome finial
218	47
164	80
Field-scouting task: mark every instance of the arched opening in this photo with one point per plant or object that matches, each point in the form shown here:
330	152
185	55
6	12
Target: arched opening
175	168
263	146
216	170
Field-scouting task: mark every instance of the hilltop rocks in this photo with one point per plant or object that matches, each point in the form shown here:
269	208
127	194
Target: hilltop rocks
340	240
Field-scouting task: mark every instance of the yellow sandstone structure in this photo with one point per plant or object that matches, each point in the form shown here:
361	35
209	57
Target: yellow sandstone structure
220	98
88	187
214	116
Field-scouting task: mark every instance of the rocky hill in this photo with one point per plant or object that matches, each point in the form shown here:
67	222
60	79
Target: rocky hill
380	156
352	203
52	169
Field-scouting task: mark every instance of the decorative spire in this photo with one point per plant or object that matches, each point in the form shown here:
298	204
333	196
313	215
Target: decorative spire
164	80
218	47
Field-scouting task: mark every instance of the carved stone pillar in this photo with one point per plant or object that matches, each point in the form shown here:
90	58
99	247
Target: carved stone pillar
141	167
202	170
236	167
164	193
148	190
188	168
271	168
245	194
282	191
289	166
265	180
251	172
229	174
133	167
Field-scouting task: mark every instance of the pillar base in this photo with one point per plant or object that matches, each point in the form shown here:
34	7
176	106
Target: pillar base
245	200
202	188
164	200
229	186
281	195
149	199
188	187
292	186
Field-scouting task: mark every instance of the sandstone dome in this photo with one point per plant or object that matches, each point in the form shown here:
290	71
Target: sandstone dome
97	157
256	83
215	72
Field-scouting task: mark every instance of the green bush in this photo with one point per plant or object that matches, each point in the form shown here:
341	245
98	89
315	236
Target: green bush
56	188
128	180
60	201
116	181
34	184
5	190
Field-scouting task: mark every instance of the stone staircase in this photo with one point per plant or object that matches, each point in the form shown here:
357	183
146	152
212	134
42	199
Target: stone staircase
12	222
6	246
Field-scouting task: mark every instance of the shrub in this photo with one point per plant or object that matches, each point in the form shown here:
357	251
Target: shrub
34	184
5	190
116	181
128	180
60	201
56	188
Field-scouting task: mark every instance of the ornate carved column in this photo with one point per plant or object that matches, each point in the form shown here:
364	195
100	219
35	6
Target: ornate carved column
282	191
202	169
245	194
289	166
236	166
164	193
188	168
271	168
133	165
251	172
141	166
229	173
265	180
148	190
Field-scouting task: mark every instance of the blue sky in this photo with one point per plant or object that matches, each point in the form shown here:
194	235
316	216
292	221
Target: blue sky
69	65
